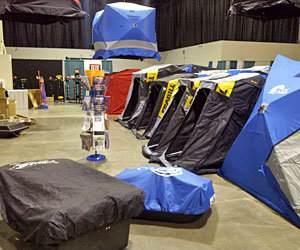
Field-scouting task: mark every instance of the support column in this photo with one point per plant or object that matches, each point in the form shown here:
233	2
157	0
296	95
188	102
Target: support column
2	46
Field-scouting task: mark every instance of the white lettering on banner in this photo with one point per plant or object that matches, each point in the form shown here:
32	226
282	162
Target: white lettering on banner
279	89
30	164
165	171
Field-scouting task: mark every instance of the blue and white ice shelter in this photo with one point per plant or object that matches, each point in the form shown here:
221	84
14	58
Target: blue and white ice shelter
265	158
125	30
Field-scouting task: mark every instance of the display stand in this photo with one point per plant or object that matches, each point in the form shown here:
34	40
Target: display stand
95	128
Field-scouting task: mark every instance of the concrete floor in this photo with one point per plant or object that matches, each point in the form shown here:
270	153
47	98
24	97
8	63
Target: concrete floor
236	221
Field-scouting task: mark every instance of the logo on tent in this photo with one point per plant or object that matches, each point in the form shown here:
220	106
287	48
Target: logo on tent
30	164
172	89
167	172
279	89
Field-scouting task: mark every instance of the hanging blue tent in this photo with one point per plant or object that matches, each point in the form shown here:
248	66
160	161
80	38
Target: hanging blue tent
171	190
125	30
264	159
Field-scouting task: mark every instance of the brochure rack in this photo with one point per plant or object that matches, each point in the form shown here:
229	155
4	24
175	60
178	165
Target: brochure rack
95	128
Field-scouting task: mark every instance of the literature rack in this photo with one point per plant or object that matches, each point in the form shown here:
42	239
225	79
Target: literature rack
95	128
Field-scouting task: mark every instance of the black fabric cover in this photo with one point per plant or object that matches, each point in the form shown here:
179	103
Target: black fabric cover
42	11
174	113
195	68
152	104
141	106
265	9
155	101
140	97
129	109
175	138
75	34
3	4
220	122
55	200
182	23
166	132
179	23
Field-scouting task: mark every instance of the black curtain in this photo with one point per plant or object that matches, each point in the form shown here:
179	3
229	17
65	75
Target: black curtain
179	23
28	69
76	34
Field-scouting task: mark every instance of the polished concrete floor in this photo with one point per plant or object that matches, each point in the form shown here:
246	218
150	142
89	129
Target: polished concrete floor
236	220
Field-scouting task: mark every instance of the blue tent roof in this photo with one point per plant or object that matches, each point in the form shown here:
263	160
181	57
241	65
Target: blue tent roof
125	29
275	117
172	190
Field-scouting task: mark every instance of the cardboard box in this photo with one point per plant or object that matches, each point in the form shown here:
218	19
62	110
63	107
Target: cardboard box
50	99
2	95
34	98
11	108
3	108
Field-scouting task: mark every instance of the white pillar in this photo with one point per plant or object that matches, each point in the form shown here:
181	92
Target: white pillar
240	64
2	46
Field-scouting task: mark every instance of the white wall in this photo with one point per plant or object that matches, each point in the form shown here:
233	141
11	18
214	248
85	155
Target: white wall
48	54
199	54
121	64
6	71
61	54
260	52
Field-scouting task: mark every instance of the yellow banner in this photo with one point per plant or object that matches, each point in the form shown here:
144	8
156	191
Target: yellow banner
171	90
151	76
196	85
188	102
225	88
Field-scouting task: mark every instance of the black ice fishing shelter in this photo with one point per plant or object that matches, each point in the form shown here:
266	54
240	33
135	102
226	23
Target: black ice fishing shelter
165	93
138	94
41	11
174	139
52	201
224	114
166	130
265	9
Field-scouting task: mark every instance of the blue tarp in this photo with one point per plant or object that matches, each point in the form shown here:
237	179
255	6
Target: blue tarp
234	72
275	117
172	190
125	29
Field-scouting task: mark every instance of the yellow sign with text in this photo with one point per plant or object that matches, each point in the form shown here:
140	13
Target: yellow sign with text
188	102
171	90
152	75
225	88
